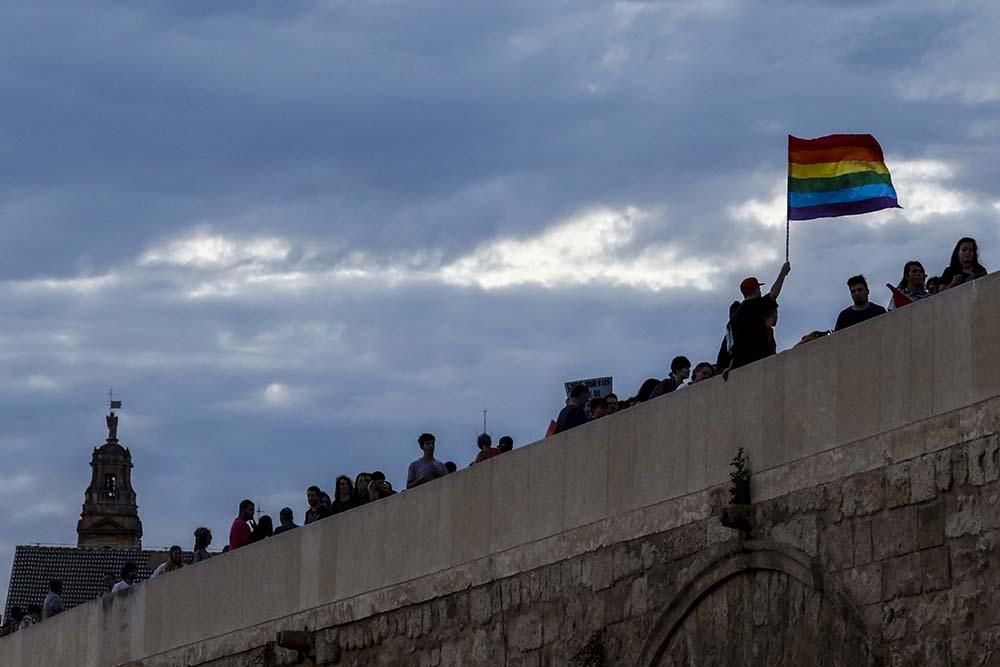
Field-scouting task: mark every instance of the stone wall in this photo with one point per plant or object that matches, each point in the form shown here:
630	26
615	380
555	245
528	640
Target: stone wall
895	566
861	444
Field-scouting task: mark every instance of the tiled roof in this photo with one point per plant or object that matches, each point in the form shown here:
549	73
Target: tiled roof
81	570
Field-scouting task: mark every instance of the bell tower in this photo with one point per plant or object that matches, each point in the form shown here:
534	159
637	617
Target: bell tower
110	516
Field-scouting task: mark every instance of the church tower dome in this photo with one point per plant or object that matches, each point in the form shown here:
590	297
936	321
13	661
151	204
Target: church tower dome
110	516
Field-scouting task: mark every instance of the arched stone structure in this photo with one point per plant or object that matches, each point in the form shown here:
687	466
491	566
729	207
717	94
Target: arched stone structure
760	603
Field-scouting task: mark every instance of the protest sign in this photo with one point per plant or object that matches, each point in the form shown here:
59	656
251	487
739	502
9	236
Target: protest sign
597	386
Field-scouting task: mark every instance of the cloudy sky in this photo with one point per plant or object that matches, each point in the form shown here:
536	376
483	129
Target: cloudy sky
293	236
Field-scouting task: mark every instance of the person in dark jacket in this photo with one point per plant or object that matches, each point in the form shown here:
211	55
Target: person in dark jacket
287	519
645	391
344	492
263	529
862	309
316	511
680	370
725	356
573	414
964	265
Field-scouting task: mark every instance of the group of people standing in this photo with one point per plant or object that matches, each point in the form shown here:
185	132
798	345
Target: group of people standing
19	619
750	337
914	284
365	488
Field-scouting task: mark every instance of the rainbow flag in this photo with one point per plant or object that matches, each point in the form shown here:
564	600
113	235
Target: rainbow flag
841	174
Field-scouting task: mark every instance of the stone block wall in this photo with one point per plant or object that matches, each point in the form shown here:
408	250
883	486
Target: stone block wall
900	567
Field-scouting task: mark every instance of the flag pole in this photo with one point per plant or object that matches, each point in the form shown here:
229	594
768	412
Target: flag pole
788	213
788	235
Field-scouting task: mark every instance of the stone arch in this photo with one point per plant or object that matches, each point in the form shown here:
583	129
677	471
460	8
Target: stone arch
818	625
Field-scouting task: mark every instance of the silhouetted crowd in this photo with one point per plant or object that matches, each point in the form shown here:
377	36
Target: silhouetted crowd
366	488
749	337
749	331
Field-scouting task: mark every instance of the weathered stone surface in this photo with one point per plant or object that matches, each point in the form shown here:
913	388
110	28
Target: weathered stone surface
864	583
963	514
935	569
894	533
901	576
864	494
897	485
982	455
839	546
990	497
942	469
930	525
915	559
970	557
862	541
923	485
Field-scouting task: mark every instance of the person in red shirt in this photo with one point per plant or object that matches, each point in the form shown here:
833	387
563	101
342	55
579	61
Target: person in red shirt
486	448
239	533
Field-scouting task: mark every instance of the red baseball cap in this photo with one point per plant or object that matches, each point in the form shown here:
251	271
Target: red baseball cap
750	284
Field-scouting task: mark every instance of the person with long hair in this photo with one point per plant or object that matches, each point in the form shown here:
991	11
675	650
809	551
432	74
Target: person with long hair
263	529
202	538
964	264
175	561
645	391
326	504
343	495
361	483
912	284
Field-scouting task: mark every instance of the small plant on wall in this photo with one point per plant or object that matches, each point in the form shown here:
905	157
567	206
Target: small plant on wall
740	476
593	653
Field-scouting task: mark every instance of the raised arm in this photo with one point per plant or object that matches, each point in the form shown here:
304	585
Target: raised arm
786	268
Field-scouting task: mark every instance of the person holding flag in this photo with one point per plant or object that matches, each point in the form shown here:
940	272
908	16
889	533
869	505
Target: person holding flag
749	325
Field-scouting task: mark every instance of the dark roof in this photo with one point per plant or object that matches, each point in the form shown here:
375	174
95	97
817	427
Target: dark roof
81	570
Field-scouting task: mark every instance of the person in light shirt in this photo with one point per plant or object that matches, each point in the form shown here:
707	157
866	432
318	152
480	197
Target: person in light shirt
129	573
426	468
174	562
